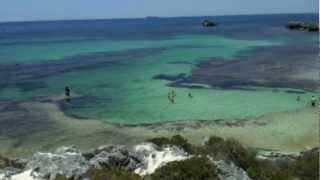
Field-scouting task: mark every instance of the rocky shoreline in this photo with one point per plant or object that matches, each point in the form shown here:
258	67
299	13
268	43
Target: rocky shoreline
72	163
151	160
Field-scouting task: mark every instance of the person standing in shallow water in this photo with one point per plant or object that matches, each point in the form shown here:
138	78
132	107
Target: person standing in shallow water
173	93
313	101
171	96
67	92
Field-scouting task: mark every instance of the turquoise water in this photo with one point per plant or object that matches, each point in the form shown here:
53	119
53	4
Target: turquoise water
55	49
126	92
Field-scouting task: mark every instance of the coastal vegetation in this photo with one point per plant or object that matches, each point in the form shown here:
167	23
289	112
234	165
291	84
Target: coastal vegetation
194	168
106	174
111	174
204	163
305	167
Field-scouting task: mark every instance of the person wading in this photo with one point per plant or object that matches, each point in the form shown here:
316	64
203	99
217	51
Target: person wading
67	92
313	101
171	96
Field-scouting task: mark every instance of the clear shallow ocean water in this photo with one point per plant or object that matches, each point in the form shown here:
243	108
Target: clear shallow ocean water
124	91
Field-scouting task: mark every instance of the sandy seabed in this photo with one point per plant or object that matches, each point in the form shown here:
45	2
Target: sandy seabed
27	127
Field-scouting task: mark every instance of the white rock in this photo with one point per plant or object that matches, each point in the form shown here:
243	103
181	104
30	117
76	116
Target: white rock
229	171
153	158
26	175
49	165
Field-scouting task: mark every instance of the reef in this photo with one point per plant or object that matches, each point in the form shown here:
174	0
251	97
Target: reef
28	76
293	67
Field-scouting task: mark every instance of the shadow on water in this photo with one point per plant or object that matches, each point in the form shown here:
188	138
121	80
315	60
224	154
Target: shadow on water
28	76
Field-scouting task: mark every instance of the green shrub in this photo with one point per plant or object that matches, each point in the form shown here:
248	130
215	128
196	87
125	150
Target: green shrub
176	140
268	170
111	174
160	141
307	166
60	177
106	174
230	150
3	162
191	169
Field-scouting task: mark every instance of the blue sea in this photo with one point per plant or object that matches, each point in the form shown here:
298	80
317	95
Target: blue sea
111	65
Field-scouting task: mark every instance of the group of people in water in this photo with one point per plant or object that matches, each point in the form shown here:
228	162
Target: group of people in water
313	100
172	97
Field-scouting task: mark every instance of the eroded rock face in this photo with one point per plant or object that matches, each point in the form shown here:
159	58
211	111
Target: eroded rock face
229	171
65	161
114	156
142	159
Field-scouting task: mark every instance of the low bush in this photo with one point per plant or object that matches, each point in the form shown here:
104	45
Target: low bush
196	168
306	167
106	174
176	140
111	174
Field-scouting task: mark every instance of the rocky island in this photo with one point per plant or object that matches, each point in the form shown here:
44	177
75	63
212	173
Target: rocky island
207	23
303	26
164	158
